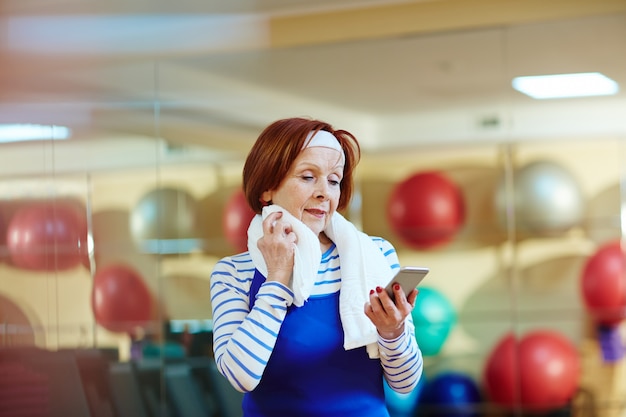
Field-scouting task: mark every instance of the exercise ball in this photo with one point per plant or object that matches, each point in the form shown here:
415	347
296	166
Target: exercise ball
163	214
120	300
603	284
434	318
237	216
540	372
403	404
426	210
47	236
546	199
451	394
4	251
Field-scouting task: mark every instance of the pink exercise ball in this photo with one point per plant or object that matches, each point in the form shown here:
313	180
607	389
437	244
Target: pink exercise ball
603	284
120	300
539	372
426	210
4	252
48	236
237	216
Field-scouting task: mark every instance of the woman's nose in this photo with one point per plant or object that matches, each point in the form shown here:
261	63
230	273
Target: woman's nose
321	189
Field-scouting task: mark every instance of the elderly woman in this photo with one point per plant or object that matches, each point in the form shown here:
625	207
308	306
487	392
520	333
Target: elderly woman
302	324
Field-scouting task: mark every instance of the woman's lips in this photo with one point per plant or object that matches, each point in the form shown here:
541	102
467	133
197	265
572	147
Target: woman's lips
317	213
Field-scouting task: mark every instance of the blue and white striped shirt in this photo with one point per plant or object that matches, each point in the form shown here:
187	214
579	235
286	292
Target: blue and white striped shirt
244	339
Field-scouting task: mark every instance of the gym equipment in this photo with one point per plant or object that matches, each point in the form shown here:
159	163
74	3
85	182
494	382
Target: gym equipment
539	372
450	393
545	198
434	317
603	289
120	300
403	404
426	210
47	236
165	221
237	216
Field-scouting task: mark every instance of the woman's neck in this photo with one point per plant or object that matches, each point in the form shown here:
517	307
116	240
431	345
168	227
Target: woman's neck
325	242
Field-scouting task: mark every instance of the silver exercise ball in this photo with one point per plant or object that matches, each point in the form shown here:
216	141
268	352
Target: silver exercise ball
545	199
164	213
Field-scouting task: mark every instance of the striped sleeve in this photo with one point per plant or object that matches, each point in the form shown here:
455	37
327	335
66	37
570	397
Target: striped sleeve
243	339
401	358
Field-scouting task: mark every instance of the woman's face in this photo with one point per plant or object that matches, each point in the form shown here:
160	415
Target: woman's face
310	191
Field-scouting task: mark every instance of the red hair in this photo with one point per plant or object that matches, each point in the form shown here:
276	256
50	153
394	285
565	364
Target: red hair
278	146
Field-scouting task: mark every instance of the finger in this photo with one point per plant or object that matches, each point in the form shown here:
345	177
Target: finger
382	304
270	222
292	237
375	311
290	232
398	292
385	300
374	303
403	307
412	297
284	227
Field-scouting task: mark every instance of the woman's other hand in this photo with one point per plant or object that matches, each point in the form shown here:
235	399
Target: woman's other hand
277	246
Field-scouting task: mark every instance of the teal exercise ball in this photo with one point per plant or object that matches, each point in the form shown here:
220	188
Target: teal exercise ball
403	404
434	317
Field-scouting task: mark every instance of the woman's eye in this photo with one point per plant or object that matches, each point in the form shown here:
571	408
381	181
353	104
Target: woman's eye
333	182
307	177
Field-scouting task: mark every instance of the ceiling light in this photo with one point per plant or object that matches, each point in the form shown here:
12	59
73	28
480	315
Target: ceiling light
566	85
24	132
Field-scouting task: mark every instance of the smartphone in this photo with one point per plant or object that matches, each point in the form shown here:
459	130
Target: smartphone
408	277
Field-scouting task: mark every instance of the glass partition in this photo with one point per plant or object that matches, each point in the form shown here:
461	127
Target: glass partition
108	237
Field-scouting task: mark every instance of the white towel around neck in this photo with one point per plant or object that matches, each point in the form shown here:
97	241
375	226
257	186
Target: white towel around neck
363	267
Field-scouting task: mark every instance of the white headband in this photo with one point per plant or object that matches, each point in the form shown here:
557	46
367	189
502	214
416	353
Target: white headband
324	139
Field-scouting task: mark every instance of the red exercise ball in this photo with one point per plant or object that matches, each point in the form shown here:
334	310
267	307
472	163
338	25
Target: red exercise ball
603	284
426	210
4	252
236	219
541	372
120	300
47	236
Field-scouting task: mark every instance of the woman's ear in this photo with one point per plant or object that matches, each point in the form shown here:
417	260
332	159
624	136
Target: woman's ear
266	197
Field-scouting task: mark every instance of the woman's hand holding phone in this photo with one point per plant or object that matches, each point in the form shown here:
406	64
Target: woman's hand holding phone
408	277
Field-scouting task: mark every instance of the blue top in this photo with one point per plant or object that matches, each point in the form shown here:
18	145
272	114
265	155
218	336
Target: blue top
264	344
310	373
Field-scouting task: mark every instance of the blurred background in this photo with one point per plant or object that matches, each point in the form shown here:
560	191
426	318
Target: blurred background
124	126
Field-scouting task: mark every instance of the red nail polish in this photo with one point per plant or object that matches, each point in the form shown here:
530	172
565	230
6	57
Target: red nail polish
371	292
379	289
396	286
